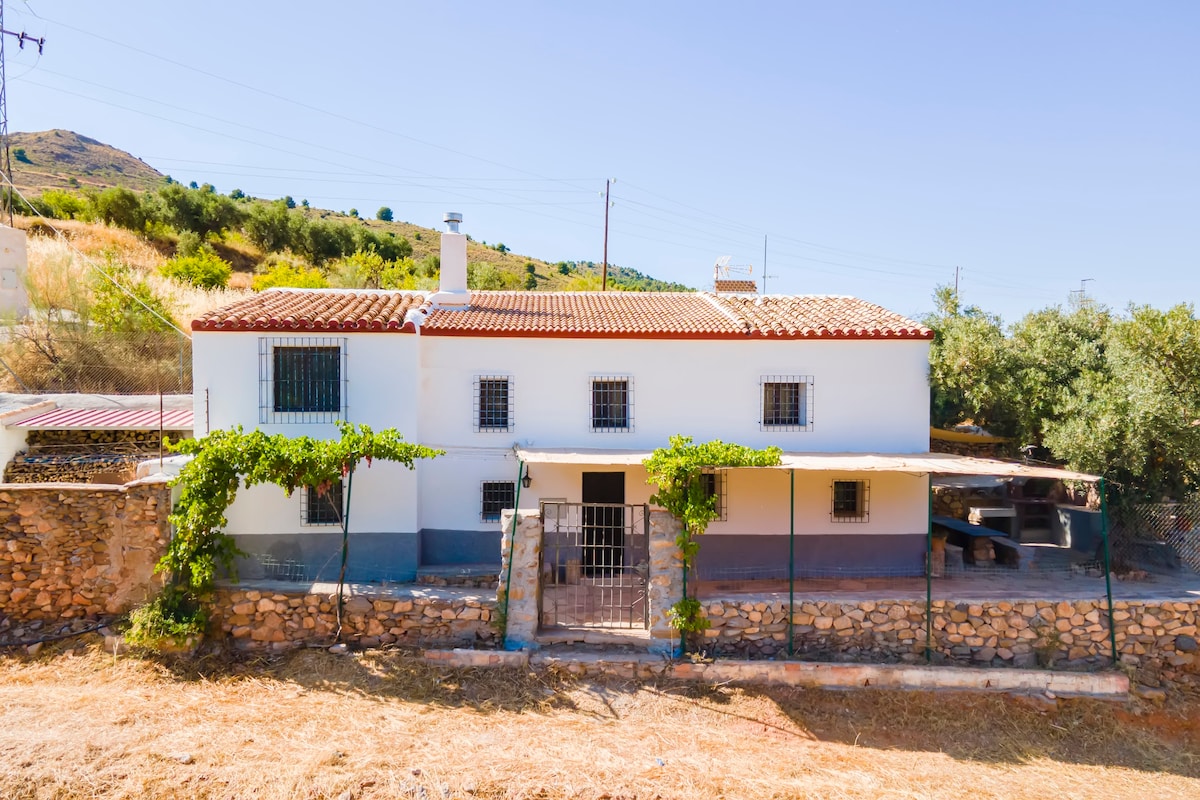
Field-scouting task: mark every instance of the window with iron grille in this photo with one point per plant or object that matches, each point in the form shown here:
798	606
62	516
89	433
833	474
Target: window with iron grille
493	403
496	496
302	379
714	485
851	501
321	508
787	403
612	404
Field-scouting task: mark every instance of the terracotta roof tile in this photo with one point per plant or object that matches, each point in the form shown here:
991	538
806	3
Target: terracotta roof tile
627	315
584	314
821	316
314	310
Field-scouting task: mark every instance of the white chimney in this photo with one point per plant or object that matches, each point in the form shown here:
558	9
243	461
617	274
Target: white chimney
453	289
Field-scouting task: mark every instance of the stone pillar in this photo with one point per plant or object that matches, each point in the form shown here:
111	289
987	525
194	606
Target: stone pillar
666	581
522	591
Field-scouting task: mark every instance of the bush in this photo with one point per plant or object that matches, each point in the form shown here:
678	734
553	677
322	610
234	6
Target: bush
121	207
531	282
19	154
171	618
530	268
271	228
384	214
131	308
487	276
204	269
285	274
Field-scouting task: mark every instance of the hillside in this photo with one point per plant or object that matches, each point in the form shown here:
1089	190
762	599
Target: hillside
60	159
64	160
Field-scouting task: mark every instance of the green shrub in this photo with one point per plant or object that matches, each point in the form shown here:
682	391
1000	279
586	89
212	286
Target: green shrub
172	617
384	214
204	269
531	282
286	274
131	308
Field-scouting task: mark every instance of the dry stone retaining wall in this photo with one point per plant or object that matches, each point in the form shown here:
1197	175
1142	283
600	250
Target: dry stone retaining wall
79	551
267	619
1158	639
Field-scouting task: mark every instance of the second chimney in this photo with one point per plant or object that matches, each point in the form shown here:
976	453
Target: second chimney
452	290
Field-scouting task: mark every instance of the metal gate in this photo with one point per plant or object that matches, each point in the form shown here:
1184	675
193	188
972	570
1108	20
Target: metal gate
595	565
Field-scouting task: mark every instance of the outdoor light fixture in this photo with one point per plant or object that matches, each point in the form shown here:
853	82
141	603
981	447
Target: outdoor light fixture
525	481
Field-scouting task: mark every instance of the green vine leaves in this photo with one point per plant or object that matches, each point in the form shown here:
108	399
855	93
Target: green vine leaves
678	472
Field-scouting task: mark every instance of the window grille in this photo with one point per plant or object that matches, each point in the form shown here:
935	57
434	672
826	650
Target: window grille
612	405
787	403
321	509
851	501
301	379
496	496
493	403
715	484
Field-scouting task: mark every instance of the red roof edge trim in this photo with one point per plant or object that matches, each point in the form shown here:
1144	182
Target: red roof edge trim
277	327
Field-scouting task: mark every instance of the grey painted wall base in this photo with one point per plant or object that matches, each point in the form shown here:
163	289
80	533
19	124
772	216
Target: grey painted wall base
861	555
373	557
439	547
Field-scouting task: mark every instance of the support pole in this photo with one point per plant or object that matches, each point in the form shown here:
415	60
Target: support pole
1112	627
929	574
345	551
683	633
512	543
791	561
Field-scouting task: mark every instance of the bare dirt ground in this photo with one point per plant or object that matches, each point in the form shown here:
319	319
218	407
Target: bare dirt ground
76	722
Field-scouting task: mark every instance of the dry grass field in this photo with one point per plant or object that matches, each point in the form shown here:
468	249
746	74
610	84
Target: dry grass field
81	723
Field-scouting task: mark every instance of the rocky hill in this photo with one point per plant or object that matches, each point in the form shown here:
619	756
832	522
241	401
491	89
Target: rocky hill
60	159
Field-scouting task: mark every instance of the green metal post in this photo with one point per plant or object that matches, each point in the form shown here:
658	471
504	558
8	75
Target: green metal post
512	542
683	633
1112	627
345	551
929	575
791	561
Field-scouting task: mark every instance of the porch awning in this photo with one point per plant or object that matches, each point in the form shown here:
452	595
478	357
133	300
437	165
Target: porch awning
920	463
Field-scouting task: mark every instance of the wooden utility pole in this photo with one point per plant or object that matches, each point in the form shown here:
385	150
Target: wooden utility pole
608	182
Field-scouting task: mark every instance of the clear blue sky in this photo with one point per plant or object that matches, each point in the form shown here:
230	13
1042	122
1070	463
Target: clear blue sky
877	144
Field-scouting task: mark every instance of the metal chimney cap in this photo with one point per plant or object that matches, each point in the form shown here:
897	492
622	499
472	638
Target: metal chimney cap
452	218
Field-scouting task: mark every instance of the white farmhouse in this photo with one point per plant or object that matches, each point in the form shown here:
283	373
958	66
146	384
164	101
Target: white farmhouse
574	390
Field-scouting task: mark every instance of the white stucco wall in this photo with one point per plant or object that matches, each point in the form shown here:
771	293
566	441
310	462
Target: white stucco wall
867	396
381	392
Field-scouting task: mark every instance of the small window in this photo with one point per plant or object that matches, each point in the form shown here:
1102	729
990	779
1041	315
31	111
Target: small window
302	380
612	405
497	496
850	501
321	508
493	403
714	485
786	403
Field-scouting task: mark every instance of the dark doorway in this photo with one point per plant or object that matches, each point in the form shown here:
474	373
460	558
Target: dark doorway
603	524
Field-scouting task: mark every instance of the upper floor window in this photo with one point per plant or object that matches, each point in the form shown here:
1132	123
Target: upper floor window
786	403
319	507
302	379
851	501
612	404
493	403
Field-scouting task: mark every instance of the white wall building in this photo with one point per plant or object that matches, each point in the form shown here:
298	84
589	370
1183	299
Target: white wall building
607	377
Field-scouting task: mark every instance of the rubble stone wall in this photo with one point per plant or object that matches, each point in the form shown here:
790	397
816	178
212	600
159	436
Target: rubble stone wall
282	619
1156	639
79	551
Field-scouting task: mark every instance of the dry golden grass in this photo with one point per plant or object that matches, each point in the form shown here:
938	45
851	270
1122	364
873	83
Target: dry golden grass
76	724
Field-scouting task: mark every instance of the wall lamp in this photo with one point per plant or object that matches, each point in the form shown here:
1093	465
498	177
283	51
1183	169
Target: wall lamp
525	481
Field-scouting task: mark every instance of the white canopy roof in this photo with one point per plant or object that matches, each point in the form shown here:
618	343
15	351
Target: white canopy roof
921	463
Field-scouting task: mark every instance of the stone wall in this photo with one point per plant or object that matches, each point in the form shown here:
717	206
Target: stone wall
281	618
957	501
79	551
1158	639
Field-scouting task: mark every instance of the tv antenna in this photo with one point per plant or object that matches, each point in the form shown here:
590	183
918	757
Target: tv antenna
727	276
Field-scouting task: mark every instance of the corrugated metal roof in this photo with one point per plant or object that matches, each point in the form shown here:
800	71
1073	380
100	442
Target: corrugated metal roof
920	463
130	419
